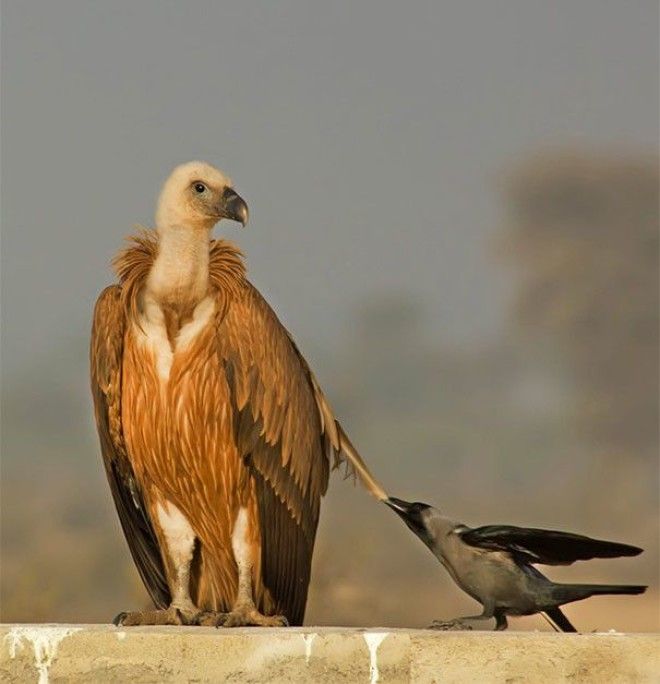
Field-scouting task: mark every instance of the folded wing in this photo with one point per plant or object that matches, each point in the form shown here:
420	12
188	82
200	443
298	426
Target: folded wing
548	547
286	435
106	365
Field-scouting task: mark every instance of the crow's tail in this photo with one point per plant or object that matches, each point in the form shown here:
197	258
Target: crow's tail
566	593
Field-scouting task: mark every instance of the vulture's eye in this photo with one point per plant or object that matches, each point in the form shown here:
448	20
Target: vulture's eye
199	188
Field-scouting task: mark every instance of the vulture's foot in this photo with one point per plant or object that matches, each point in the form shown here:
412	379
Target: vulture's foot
450	625
249	616
210	618
170	616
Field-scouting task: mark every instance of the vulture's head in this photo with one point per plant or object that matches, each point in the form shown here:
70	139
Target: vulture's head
197	195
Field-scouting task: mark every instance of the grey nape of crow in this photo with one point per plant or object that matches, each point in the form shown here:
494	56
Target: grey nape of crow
495	565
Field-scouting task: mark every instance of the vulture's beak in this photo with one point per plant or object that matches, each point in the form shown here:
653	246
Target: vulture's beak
233	207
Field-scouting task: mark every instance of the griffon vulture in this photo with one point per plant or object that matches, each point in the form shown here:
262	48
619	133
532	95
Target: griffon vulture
216	438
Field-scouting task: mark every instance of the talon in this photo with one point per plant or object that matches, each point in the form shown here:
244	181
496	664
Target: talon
168	616
211	619
242	617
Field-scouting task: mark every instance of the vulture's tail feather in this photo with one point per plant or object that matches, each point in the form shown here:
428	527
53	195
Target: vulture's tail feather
355	460
338	440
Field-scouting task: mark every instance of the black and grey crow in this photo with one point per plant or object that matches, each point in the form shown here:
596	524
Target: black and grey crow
495	564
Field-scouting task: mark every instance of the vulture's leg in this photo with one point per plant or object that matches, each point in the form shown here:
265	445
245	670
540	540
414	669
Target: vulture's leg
180	544
244	612
462	622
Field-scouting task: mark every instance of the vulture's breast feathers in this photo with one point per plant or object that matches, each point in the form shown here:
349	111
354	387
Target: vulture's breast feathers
168	331
175	398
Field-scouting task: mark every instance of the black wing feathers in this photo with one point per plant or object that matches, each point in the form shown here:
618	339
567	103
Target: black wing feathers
548	547
140	536
286	571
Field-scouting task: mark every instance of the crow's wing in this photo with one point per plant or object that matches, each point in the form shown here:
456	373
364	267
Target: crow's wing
548	547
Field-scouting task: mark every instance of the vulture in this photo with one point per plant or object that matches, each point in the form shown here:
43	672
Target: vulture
216	438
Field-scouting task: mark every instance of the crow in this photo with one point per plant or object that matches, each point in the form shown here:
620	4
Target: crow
495	565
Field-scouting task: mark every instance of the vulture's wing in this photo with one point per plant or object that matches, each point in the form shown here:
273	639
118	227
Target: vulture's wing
106	371
548	547
287	435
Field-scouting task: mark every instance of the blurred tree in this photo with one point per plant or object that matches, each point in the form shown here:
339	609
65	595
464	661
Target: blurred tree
583	231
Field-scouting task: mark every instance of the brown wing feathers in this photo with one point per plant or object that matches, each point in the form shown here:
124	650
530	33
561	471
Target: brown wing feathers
288	435
284	427
278	432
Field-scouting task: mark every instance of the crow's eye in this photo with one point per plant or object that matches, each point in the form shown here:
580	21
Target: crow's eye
199	188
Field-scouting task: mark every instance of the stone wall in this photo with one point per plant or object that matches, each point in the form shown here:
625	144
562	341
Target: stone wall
99	653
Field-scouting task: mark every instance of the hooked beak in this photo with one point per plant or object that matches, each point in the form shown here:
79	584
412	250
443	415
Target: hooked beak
233	207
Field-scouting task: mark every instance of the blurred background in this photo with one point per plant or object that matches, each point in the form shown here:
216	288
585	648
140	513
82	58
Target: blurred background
454	209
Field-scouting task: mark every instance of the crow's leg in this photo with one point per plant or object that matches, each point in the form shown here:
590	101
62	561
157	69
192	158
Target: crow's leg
559	619
501	622
461	622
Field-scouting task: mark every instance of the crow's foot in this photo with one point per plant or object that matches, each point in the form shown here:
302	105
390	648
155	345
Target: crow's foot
450	625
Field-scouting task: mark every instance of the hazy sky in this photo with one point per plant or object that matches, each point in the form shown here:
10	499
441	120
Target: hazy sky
366	137
370	140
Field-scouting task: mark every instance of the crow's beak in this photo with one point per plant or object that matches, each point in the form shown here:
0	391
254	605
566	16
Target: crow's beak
410	513
399	505
233	207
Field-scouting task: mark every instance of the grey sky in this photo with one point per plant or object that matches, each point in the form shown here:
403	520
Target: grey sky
370	141
366	137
